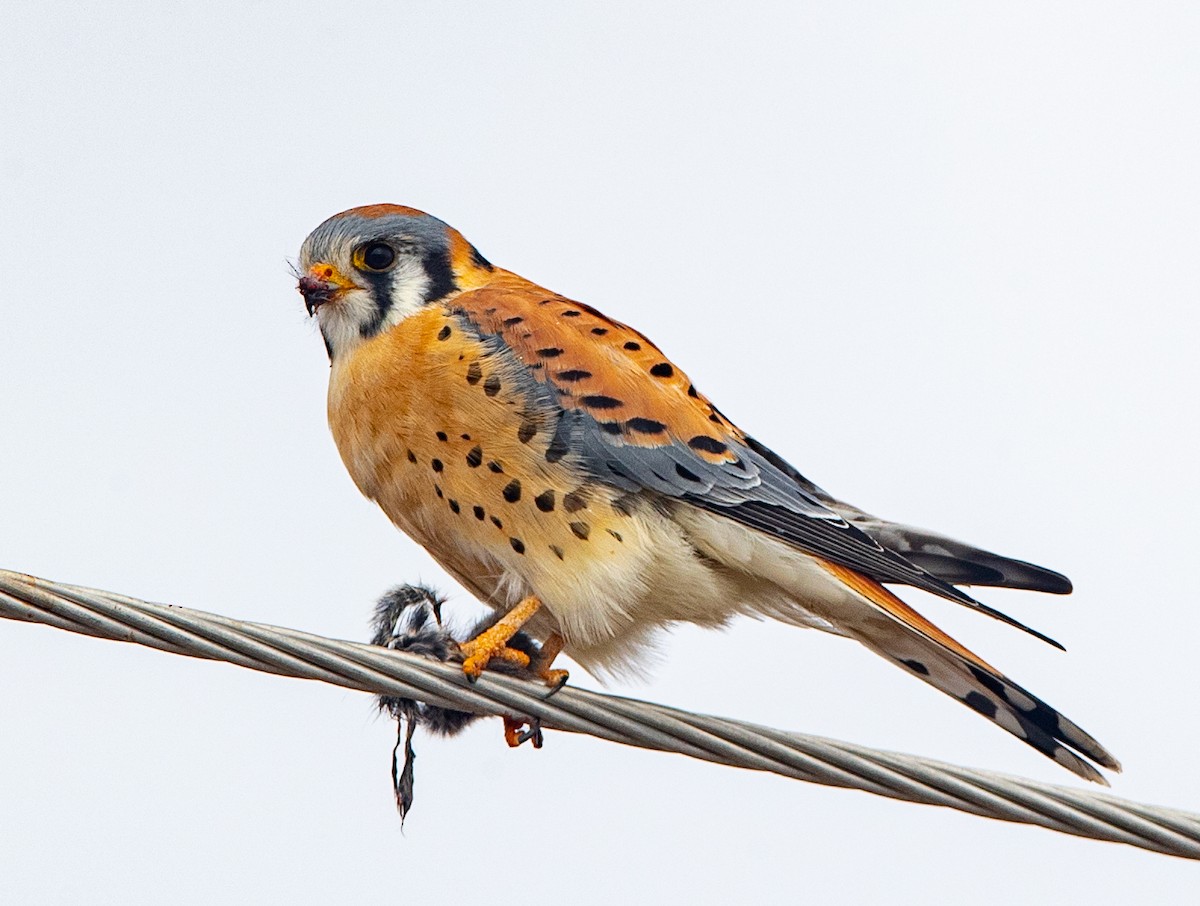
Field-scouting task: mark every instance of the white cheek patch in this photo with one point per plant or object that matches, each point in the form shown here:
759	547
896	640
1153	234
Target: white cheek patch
408	290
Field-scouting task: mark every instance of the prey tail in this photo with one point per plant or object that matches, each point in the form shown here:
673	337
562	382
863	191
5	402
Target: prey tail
897	632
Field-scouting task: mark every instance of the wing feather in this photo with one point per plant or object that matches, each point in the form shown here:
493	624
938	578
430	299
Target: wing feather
634	420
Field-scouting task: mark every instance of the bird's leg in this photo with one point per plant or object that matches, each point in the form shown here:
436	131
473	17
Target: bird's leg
493	641
514	727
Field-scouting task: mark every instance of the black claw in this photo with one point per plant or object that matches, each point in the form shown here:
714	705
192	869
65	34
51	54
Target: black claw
534	734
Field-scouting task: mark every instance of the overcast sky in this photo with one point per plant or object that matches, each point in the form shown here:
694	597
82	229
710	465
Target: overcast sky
943	257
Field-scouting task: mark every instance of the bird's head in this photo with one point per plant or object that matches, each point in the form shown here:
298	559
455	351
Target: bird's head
368	268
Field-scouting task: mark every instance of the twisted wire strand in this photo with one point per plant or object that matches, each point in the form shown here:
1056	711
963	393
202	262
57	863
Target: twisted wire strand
813	759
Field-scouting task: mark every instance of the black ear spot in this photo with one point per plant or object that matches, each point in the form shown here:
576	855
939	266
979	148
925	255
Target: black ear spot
479	261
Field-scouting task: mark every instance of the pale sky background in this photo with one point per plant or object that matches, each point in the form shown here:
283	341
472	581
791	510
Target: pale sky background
943	257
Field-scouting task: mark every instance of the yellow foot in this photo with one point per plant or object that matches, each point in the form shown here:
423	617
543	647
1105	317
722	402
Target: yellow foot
493	641
477	658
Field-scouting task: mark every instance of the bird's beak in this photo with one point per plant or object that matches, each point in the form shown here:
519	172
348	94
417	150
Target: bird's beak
322	284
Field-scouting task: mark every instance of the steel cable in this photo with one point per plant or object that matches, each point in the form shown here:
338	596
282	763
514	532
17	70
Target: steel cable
370	668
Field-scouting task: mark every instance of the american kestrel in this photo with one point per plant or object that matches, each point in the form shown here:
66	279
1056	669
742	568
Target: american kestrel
566	472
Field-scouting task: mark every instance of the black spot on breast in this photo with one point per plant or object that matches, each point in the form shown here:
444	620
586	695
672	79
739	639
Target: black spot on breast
437	465
599	331
574	502
981	704
550	352
570	313
517	544
465	436
646	426
479	512
526	432
663	369
601	402
692	391
707	444
441	435
575	374
412	457
632	346
557	450
474	373
616	535
437	489
613	428
491	386
513	321
475	456
715	419
558	551
916	667
685	473
444	333
581	530
454	507
496	522
512	491
494	466
545	501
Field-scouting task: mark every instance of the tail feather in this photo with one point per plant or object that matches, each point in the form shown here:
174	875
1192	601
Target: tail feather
910	640
953	561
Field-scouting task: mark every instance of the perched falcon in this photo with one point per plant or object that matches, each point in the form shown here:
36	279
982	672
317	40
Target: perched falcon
563	469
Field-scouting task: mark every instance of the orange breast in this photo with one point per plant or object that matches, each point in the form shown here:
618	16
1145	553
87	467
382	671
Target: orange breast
452	440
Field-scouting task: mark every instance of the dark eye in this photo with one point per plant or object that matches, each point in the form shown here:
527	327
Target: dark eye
378	256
